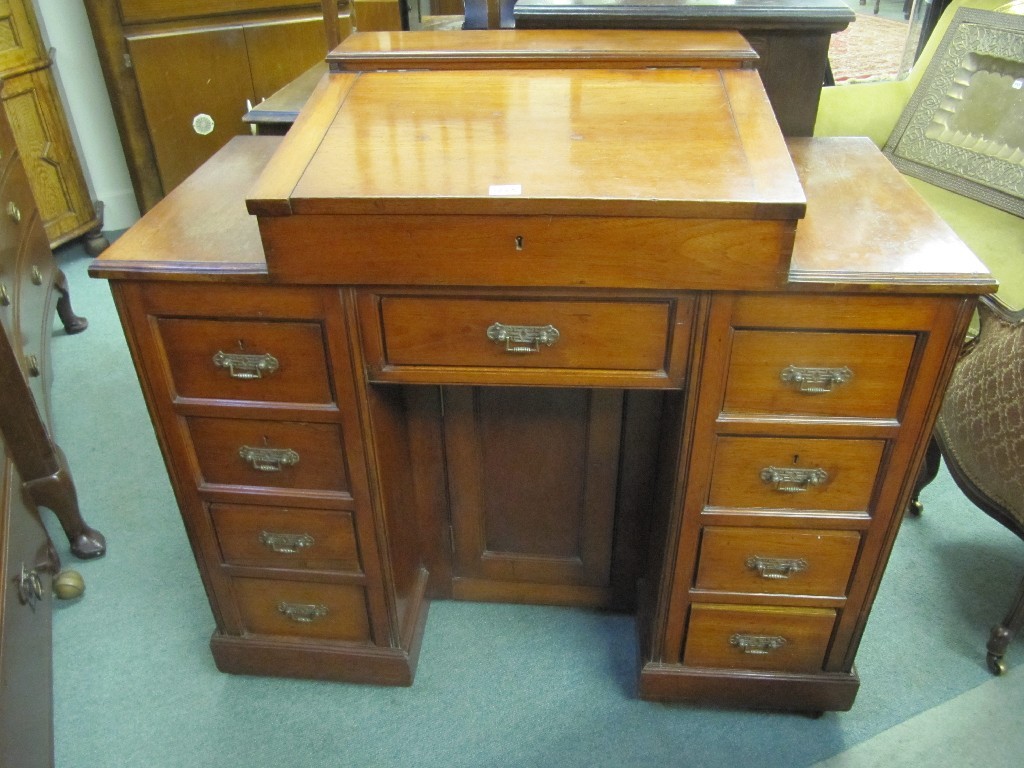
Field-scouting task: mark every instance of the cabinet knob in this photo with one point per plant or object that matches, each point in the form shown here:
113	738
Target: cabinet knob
14	212
5	297
32	364
37	276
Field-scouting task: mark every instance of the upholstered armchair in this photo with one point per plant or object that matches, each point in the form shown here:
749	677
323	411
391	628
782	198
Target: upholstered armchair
980	435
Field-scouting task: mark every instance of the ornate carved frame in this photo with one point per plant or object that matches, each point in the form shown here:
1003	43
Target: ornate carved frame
929	144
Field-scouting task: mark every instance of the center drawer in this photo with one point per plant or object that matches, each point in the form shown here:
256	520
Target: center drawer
527	340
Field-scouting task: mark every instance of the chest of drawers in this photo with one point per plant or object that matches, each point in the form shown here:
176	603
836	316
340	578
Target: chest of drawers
356	421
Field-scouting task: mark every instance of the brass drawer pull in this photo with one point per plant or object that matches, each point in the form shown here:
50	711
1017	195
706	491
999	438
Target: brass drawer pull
522	339
32	363
30	587
246	367
776	567
791	480
303	613
268	459
815	381
757	645
14	212
286	543
5	297
36	276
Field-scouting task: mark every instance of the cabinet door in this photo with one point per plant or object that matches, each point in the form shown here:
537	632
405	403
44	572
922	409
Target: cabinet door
34	110
20	43
280	52
194	88
532	475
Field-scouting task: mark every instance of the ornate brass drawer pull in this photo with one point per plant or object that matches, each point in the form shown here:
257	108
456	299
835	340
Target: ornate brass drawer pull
523	338
32	364
14	212
286	543
776	567
268	459
757	645
36	276
5	297
247	367
792	480
815	381
303	613
30	587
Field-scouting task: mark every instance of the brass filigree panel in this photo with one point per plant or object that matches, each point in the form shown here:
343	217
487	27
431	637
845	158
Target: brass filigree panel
963	129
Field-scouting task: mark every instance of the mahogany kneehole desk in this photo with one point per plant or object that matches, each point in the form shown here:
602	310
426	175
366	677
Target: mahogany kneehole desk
612	352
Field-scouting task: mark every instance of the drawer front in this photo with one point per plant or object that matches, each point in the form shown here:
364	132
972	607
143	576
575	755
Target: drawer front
247	361
273	454
303	609
582	335
777	561
818	374
276	537
795	473
749	637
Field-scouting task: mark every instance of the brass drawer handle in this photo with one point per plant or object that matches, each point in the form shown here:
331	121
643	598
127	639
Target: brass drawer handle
5	297
246	366
14	212
815	381
792	480
286	543
776	567
757	645
268	459
522	339
32	363
30	587
303	613
36	276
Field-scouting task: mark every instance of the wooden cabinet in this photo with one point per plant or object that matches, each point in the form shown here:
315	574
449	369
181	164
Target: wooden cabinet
33	471
36	115
490	405
181	75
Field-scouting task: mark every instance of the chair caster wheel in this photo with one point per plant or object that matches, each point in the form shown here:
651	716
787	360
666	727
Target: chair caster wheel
996	664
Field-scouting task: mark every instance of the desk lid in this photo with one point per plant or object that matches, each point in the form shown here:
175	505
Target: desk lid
667	143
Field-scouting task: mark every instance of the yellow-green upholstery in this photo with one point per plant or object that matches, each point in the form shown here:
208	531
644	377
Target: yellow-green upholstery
872	110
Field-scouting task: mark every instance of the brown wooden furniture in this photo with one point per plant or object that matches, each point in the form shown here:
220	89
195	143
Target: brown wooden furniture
598	373
34	110
979	436
790	36
33	471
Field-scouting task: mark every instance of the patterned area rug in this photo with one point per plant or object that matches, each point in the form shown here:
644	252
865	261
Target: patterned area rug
871	48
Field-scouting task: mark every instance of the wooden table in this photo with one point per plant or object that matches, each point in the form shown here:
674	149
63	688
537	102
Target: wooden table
607	363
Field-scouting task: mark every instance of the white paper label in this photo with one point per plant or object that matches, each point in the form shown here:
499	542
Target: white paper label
505	190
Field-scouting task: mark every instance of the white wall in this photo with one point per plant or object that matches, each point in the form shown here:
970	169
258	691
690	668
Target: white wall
65	28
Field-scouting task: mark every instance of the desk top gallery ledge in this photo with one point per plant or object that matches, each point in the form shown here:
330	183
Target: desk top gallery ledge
865	228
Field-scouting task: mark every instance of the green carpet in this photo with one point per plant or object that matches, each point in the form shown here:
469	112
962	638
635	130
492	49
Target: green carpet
497	685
